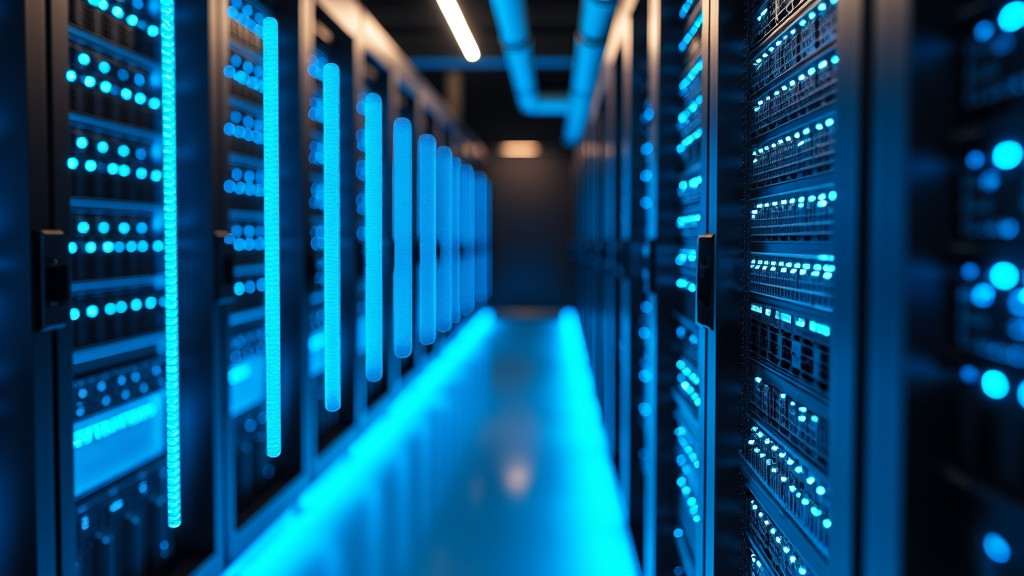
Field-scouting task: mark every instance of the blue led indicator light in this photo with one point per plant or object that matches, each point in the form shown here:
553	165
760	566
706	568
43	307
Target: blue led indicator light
995	384
272	230
374	237
1008	154
172	386
444	236
995	545
426	190
1011	17
332	238
1004	276
403	231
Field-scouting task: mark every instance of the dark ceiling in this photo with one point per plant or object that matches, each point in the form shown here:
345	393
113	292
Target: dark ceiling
420	29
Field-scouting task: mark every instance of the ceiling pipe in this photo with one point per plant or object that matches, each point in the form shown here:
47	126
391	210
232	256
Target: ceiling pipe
512	22
595	18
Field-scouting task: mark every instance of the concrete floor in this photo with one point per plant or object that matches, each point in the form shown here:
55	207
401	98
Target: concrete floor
493	462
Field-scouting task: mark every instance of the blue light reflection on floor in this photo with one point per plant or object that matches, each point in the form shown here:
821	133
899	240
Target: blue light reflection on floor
502	470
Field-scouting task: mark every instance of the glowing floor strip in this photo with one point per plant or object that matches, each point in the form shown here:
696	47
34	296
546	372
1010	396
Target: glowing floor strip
172	348
444	235
468	214
272	225
426	187
298	541
455	202
402	230
374	136
332	238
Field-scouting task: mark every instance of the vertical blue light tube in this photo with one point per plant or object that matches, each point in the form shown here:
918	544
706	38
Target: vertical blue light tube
480	200
272	225
468	214
172	330
402	230
332	238
374	143
444	236
456	244
489	249
426	186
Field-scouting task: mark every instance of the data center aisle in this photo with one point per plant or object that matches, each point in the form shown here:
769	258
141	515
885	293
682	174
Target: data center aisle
493	463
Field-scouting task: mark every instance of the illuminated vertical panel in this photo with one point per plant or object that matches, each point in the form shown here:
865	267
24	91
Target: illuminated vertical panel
402	230
332	238
374	139
468	213
426	202
172	335
456	267
480	200
272	226
444	236
489	227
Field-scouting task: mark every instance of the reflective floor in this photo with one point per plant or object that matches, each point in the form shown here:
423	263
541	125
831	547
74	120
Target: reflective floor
493	462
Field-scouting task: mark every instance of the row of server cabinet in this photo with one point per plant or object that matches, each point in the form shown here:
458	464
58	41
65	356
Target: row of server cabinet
799	247
231	231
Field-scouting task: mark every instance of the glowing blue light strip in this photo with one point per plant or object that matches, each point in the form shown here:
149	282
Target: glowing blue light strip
374	141
454	202
480	238
426	202
172	349
332	237
272	225
402	230
444	234
468	214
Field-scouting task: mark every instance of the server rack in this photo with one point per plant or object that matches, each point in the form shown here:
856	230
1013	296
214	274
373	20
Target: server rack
722	83
30	543
143	356
960	158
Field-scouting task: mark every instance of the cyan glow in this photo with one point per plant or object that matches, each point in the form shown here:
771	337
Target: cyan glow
172	355
468	213
1020	394
1011	17
444	236
112	443
995	545
374	237
272	229
426	202
1008	154
332	238
995	384
1004	276
301	536
402	229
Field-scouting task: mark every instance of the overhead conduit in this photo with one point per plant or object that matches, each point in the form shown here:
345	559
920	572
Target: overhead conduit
512	22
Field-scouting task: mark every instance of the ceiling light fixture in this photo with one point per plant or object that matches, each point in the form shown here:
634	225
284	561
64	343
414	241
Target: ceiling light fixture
460	29
520	149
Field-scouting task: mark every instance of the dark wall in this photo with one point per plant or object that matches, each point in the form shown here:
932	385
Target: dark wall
532	229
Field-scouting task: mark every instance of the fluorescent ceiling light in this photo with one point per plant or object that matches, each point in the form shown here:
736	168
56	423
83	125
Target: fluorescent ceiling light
520	149
460	29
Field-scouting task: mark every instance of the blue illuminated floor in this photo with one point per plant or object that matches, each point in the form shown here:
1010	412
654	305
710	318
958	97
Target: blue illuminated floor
492	463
